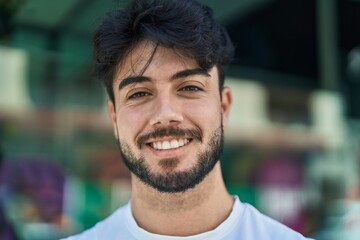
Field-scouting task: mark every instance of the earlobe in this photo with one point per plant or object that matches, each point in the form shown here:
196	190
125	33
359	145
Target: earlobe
112	115
225	104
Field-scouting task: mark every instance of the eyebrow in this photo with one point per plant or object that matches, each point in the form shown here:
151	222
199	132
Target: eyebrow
189	72
132	80
182	74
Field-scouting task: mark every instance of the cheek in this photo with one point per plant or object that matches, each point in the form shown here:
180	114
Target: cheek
129	123
204	112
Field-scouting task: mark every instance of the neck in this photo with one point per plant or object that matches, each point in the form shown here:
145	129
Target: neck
207	205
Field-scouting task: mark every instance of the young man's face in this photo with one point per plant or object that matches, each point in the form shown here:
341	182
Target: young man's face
169	119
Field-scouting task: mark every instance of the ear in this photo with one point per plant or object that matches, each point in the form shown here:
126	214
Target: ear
226	100
112	115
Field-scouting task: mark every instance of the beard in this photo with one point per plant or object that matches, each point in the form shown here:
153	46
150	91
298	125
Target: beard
175	181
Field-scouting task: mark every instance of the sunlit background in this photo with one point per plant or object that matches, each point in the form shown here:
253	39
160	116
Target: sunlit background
292	146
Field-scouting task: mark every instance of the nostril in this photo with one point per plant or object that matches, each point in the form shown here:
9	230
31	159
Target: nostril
166	119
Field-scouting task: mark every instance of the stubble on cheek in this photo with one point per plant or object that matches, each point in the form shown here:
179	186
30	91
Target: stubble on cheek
168	164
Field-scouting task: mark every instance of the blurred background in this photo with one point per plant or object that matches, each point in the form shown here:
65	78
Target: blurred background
292	146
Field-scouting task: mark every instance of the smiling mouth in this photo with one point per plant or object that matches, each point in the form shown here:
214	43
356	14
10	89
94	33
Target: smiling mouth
168	145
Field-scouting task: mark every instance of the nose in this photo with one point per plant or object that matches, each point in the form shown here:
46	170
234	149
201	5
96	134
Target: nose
166	112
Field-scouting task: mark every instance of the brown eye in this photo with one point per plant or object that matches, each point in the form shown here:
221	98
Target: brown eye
138	95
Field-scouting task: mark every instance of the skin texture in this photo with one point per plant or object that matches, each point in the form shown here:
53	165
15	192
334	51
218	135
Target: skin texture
168	96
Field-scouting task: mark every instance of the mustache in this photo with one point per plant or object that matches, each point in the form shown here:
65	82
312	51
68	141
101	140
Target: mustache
193	133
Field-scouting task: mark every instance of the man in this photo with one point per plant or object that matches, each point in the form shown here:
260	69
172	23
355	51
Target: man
163	64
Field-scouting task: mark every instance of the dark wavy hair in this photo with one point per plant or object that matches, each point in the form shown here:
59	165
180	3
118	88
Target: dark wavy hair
183	25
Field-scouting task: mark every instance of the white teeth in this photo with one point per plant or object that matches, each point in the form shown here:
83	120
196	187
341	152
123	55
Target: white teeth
165	145
174	144
157	145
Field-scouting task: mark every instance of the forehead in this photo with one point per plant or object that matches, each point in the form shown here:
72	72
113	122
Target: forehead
147	59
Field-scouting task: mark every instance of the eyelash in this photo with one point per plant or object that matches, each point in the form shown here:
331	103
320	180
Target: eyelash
191	88
138	95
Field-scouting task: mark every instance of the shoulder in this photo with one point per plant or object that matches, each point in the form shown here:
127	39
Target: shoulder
260	226
107	227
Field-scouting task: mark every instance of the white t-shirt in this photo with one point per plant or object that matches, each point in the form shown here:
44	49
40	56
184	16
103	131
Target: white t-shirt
243	223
